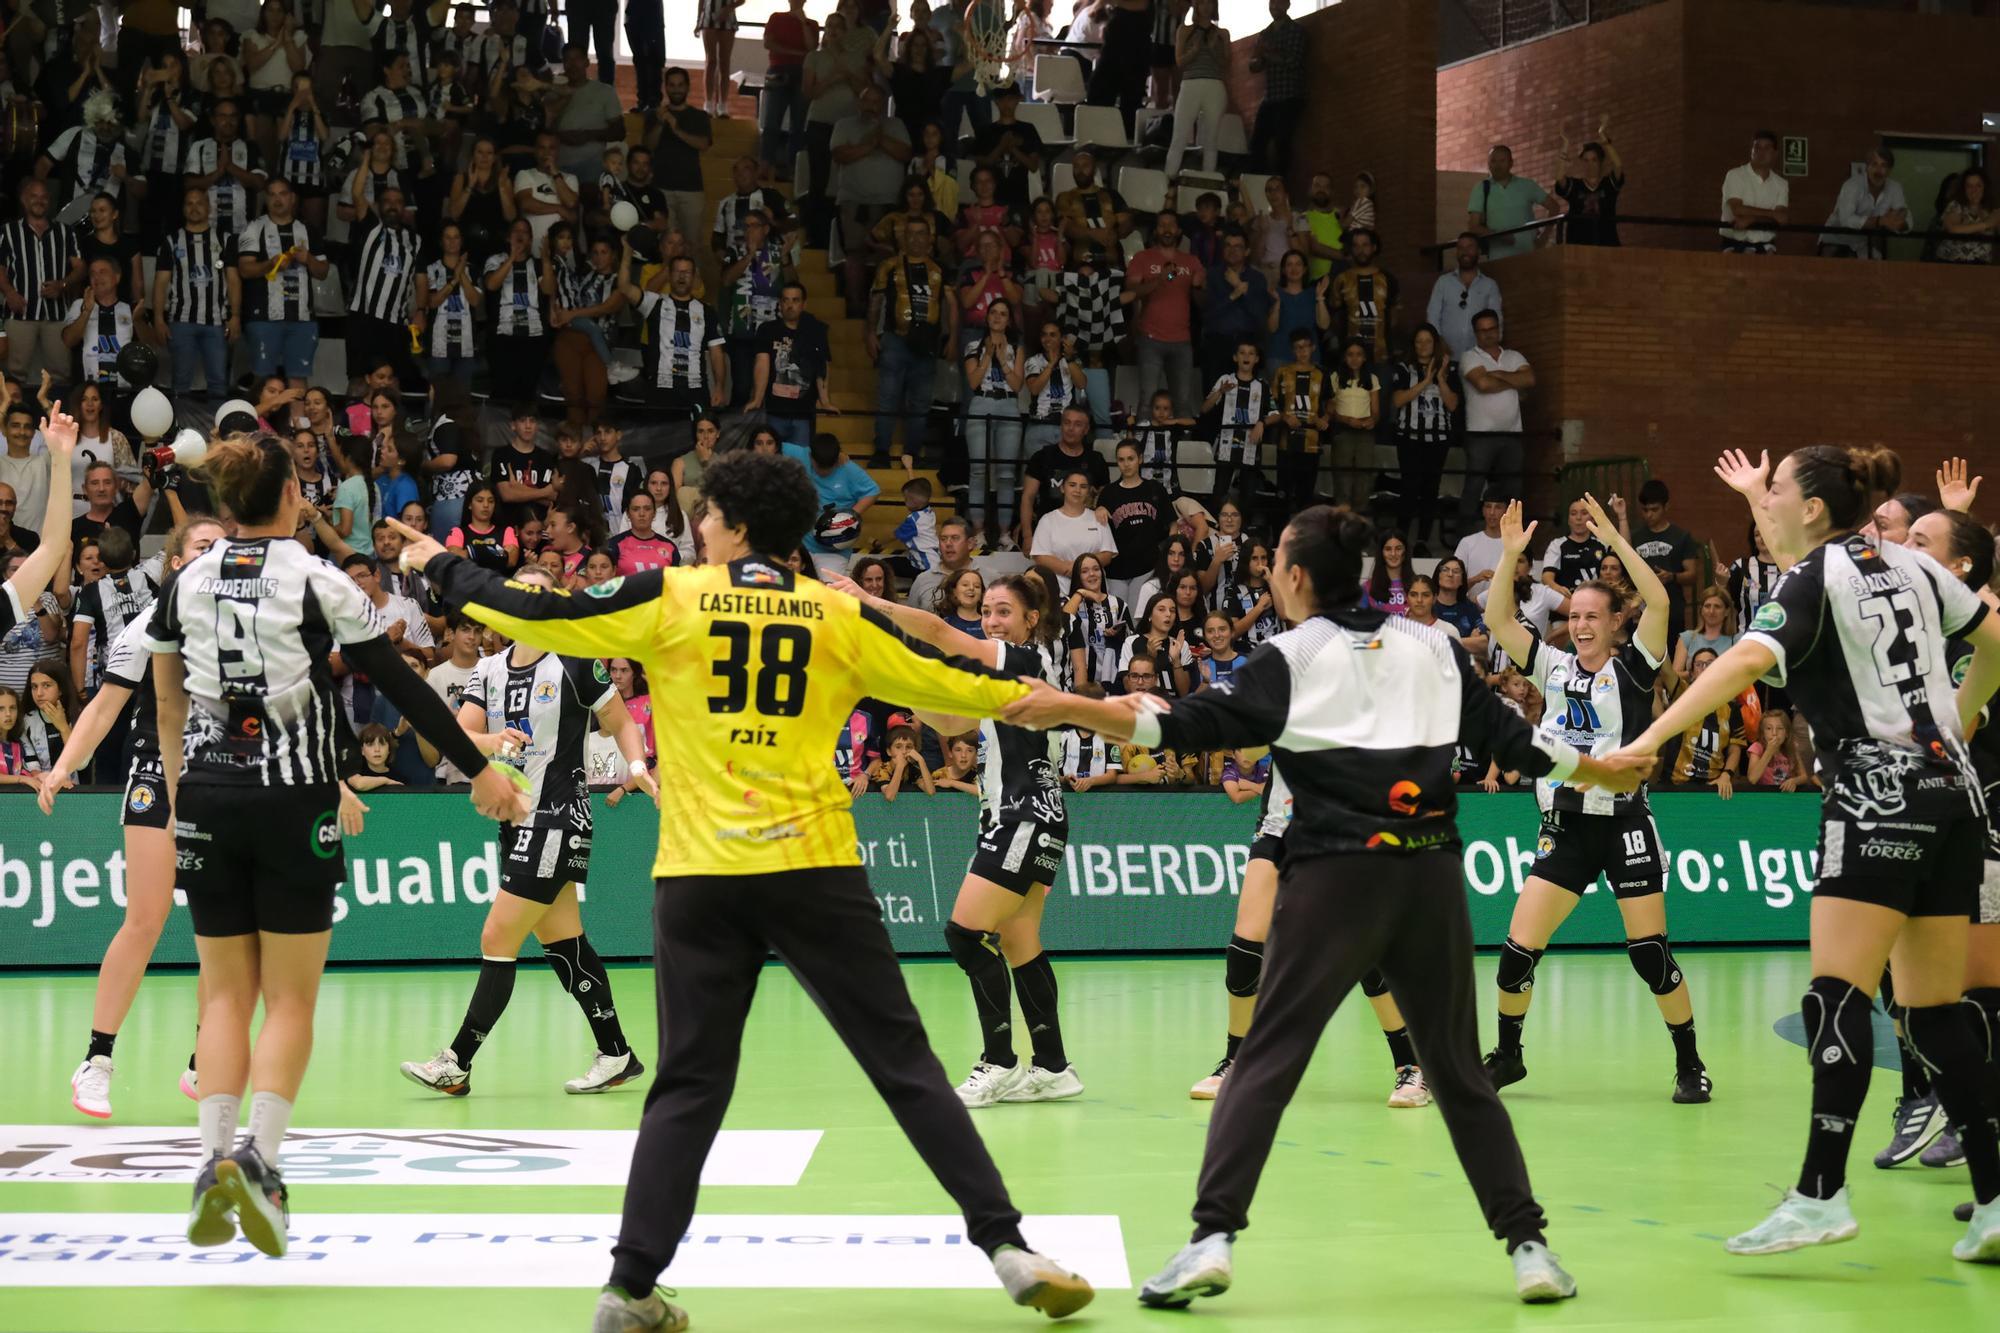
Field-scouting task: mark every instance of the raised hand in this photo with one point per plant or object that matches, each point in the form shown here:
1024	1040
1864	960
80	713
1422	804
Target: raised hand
1747	479
59	431
1954	491
419	549
1514	538
1601	525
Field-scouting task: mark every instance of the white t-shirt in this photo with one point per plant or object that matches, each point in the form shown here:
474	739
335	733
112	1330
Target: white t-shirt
416	630
1772	191
448	682
1537	611
275	74
1480	553
1492	411
1060	535
544	188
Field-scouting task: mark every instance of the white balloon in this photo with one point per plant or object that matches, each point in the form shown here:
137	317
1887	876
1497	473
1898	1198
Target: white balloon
234	406
624	216
152	413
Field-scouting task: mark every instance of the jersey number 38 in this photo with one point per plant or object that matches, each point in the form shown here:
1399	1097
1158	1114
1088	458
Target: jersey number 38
780	669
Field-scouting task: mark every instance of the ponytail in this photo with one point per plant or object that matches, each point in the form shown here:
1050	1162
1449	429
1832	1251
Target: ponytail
247	474
1846	481
1328	544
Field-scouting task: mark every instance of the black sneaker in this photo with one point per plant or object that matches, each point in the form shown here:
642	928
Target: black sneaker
1918	1121
1963	1213
1505	1067
1692	1086
1947	1151
262	1204
209	1220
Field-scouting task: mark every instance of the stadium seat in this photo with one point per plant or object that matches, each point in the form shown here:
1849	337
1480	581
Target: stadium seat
1145	190
1107	445
962	172
1058	79
1199	481
1047	121
1230	136
1252	186
1061	177
1101	127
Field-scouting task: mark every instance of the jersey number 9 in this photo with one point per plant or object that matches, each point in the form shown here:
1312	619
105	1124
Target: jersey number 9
782	654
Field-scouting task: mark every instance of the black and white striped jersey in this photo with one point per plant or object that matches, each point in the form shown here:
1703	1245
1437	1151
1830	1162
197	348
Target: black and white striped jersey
1274	810
387	273
87	160
1859	630
163	144
729	213
1244	405
127	662
405	36
255	623
106	330
373	183
301	155
517	306
682	333
287	295
1363	711
617	482
107	606
579	286
33	257
1158	454
1597	712
195	264
494	49
1020	770
390	105
228	202
450	329
553	701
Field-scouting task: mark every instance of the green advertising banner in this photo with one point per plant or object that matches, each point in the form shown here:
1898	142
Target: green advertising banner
1151	871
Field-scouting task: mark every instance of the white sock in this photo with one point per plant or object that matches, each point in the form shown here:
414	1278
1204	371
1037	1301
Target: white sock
270	1114
218	1124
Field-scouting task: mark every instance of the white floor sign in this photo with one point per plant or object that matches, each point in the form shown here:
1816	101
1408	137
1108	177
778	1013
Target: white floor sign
94	1154
537	1250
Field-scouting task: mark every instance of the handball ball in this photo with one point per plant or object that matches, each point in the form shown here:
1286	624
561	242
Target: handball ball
624	216
837	527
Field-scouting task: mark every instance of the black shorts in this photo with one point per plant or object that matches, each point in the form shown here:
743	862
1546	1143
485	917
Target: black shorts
146	795
1020	854
1574	849
1912	865
1268	847
272	102
259	858
535	863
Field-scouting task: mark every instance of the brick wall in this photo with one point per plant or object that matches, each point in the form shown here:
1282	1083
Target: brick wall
1677	355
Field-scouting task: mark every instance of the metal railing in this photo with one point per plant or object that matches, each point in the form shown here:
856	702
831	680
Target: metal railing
1699	233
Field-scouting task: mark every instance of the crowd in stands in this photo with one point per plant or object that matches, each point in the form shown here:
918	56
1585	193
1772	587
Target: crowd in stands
545	334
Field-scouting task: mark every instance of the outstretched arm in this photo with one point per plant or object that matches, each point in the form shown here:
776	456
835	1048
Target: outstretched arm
1505	626
1651	633
59	433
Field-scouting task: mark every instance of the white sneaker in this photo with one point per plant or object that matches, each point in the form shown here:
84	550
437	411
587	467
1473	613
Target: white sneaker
621	372
1410	1089
606	1072
987	1084
1202	1268
190	1087
440	1073
1982	1236
1039	1282
1538	1275
90	1087
1045	1085
1206	1090
1798	1222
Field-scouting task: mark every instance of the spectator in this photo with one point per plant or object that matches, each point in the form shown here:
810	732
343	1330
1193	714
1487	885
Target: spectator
1667	547
985	211
1223	659
1156	641
1455	606
961	767
1365	294
788	37
1139	514
995	370
1041	486
732	212
1420	604
105	606
1281	58
105	238
1494	378
1052	379
642	546
958	601
545	194
1480	551
791	361
1753	193
984	282
1176	556
918	83
1572	559
682	135
1357	409
1201	52
717	24
1094	217
1092	312
1089	760
1775	760
1503	201
40	260
1244	779
1119	77
954	538
686	367
1424	394
1751	578
1162	281
687	472
1013	149
901	766
931	163
843	488
870	150
449	300
518	283
754	272
14	539
1030	25
1389	576
1295	306
1242	400
1321	234
912	322
1872	202
835	75
1074	530
1302	402
1459	295
401	619
1710	751
1714	632
524	475
1892	518
378	304
52	710
226	165
483	201
1097	625
1275	233
449	451
1253	617
1238	304
99	325
1967	217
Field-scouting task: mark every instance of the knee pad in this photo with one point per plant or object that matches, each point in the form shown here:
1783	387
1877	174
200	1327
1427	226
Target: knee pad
1374	983
1945	1035
1517	967
1653	959
971	948
1839	1030
1243	966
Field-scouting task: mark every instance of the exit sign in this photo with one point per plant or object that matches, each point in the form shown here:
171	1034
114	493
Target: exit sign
1795	155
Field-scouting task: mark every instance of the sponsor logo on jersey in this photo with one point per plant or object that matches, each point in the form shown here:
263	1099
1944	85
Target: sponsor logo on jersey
1605	683
761	575
606	588
326	835
1891	851
1960	668
599	672
142	798
1543	846
545	692
1403	797
1770	616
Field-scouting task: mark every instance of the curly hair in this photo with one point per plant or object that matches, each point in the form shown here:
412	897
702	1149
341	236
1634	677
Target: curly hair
769	496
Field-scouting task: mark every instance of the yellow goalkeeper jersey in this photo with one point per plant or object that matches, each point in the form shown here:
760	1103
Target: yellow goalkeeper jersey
753	672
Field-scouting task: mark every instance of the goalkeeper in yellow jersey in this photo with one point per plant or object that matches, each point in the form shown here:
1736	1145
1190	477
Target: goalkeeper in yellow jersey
758	850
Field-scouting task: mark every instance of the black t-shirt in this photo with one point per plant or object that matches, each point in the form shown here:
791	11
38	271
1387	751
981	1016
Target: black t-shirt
1593	214
533	468
1141	517
1574	562
1050	463
120	253
1013	176
22	540
678	166
1665	550
798	358
124	515
485	547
